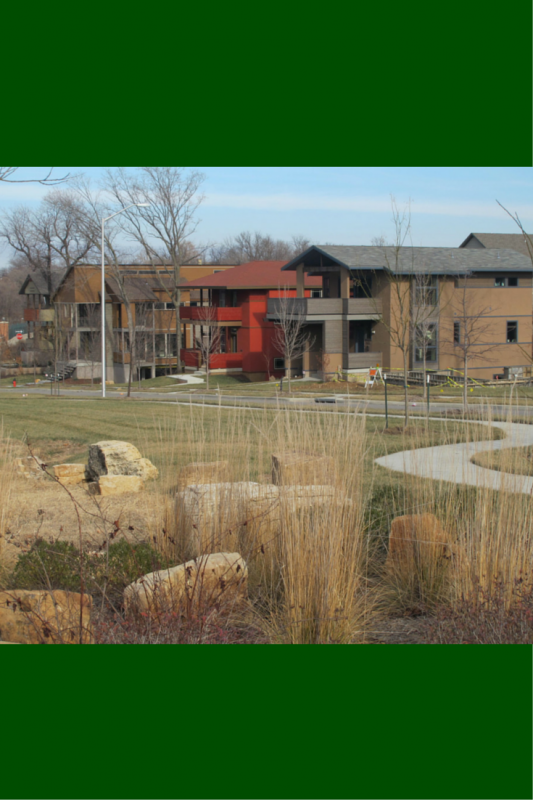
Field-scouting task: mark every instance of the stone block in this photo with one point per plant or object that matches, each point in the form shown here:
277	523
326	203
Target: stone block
109	485
70	474
30	467
417	541
203	472
42	617
303	469
218	579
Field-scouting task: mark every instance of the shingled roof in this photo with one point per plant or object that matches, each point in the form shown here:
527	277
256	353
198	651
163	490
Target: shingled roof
422	260
502	241
253	275
41	284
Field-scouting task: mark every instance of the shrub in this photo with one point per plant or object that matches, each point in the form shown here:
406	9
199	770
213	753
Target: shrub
56	565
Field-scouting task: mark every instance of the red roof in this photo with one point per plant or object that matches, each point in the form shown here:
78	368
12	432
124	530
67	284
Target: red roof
254	275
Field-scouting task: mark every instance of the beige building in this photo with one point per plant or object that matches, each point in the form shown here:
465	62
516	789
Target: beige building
436	301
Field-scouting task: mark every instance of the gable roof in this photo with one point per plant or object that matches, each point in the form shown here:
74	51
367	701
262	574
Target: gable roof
505	241
422	260
253	275
40	284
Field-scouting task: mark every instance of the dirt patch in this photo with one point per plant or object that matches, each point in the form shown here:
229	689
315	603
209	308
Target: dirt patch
44	509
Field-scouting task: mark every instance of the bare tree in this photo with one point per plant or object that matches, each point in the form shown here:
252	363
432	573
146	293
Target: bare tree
49	238
426	313
7	175
93	210
164	223
398	273
290	337
248	246
471	329
144	337
209	341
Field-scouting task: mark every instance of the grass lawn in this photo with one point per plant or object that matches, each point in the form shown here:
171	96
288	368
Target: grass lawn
518	460
61	428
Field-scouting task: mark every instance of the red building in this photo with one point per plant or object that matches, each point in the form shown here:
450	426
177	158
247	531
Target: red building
239	299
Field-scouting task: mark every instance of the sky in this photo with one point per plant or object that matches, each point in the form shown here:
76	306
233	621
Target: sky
338	205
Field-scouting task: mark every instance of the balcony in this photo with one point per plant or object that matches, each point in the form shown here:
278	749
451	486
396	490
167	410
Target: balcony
322	308
198	314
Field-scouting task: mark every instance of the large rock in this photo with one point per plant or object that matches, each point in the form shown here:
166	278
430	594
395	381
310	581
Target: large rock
210	515
41	617
70	474
118	458
220	579
417	541
268	507
303	469
30	467
203	472
109	485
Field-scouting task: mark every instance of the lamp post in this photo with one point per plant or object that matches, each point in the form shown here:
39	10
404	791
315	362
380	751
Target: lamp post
104	220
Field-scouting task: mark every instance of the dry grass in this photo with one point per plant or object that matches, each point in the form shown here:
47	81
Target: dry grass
316	568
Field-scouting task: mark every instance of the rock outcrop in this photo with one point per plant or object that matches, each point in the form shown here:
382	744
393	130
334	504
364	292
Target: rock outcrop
118	458
219	579
42	617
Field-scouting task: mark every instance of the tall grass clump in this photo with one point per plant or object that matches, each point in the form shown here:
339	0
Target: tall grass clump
304	541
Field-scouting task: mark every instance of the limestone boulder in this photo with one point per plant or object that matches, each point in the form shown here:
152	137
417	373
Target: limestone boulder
417	541
70	474
109	485
202	472
210	515
42	617
269	507
118	458
303	469
30	467
219	579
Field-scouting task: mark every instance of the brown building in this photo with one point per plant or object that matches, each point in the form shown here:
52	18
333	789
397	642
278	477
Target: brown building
478	295
67	323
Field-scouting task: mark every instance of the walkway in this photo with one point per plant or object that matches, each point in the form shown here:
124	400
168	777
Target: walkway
453	463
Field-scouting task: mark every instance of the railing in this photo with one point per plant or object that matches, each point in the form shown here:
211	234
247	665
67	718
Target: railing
205	315
326	306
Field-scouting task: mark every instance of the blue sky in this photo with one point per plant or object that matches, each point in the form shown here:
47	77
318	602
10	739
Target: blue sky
340	205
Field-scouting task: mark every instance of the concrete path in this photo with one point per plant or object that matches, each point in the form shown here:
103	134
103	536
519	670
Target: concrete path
453	462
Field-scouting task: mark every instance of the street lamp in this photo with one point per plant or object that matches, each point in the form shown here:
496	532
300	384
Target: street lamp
104	220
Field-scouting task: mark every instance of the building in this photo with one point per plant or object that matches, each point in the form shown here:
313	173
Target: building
240	298
351	299
497	241
67	322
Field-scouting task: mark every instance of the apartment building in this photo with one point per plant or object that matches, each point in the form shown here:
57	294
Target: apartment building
353	299
66	323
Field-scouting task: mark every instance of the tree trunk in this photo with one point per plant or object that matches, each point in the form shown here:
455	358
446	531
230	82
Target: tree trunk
406	400
132	346
465	386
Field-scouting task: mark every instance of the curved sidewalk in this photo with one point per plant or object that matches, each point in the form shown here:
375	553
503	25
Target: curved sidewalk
453	463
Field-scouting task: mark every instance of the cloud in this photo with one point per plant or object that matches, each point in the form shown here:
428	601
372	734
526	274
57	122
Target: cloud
380	205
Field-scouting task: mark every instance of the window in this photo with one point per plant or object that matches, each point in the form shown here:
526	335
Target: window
279	363
426	342
457	333
426	290
233	339
233	298
160	345
316	292
512	332
222	298
501	282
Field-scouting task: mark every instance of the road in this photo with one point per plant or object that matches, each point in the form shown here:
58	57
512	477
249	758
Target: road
342	402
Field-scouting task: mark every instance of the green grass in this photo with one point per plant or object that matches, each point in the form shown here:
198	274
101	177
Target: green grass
58	425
